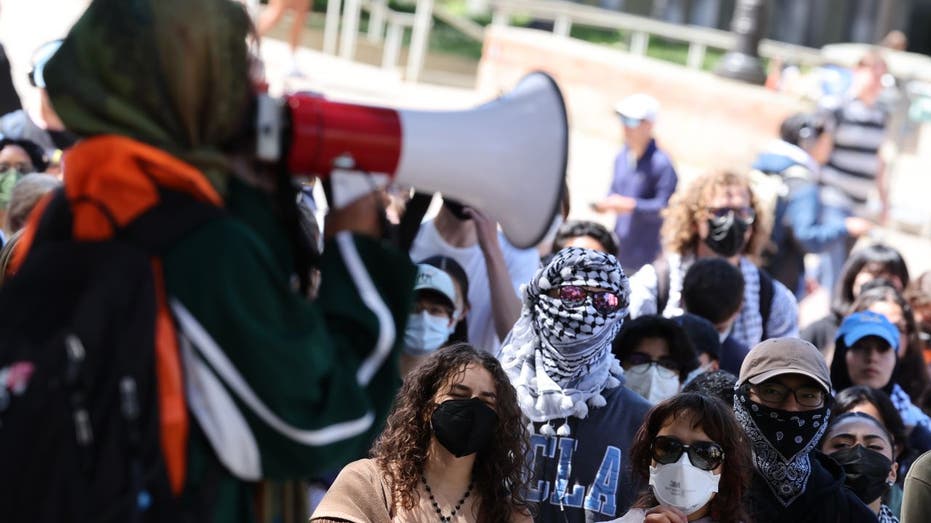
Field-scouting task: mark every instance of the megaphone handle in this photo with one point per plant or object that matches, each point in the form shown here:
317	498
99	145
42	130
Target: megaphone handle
410	223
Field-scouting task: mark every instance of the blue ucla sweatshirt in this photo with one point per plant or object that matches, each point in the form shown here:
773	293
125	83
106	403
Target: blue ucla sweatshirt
587	476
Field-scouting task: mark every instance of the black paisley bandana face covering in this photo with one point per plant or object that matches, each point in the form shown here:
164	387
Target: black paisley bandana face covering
782	442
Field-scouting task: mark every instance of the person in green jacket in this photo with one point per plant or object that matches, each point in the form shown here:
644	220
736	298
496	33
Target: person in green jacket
277	386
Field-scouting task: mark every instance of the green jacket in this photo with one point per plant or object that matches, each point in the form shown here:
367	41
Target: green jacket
314	391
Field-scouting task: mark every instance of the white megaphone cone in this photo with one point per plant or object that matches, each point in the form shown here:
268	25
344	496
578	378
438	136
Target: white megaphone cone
506	158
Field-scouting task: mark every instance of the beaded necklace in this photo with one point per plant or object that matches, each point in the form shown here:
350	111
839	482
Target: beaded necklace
436	506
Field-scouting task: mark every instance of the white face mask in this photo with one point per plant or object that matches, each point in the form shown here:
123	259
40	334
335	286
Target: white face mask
425	333
683	485
646	380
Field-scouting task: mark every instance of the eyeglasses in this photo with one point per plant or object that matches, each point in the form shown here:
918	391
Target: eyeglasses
630	122
706	455
777	393
744	214
20	168
603	301
666	365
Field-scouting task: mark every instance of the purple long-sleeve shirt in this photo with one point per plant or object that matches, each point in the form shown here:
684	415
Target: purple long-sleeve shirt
650	180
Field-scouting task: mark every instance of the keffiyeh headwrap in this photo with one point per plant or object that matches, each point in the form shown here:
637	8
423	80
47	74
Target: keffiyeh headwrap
558	356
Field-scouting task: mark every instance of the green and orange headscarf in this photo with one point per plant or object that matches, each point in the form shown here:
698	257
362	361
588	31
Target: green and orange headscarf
173	74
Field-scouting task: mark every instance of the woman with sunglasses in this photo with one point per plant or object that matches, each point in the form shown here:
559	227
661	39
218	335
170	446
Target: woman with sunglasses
569	384
717	215
696	461
657	356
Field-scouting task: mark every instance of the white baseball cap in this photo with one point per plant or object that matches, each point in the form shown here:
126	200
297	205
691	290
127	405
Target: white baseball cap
433	279
638	106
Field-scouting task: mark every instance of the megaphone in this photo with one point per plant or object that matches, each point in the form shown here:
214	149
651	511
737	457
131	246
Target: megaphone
507	158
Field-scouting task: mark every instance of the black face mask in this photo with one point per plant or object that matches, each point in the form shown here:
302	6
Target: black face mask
866	470
789	432
455	208
464	426
726	235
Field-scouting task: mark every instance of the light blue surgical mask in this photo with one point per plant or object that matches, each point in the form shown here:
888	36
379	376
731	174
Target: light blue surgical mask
425	333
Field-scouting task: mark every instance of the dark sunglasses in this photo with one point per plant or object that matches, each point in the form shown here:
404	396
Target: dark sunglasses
573	296
639	358
744	214
705	455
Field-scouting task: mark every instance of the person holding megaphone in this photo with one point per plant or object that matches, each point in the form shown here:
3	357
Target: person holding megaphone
160	93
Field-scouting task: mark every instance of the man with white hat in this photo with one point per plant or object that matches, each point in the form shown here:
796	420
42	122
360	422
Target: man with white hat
782	400
644	179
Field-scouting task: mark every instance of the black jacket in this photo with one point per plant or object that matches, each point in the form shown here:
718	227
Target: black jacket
825	500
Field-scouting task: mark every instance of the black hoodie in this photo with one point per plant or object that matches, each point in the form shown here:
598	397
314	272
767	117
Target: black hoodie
825	499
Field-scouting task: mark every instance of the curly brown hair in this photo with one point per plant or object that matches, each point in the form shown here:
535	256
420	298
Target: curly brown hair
717	420
500	471
686	208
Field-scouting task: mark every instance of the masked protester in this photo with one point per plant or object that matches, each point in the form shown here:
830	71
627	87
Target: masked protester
570	385
17	159
495	268
717	215
782	401
657	357
694	457
452	450
433	318
865	449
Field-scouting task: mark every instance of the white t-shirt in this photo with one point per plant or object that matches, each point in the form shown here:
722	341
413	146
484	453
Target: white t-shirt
521	265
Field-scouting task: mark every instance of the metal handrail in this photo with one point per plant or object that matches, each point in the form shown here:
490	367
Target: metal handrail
564	14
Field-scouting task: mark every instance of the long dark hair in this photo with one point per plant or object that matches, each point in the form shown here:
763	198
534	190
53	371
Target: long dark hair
911	372
878	258
500	471
851	397
717	420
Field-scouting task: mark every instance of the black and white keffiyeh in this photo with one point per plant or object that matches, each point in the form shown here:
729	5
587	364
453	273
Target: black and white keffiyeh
559	357
782	443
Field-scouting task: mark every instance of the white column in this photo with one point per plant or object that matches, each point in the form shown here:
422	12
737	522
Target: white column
331	28
420	36
350	29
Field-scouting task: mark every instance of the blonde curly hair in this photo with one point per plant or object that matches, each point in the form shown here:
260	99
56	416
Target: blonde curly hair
686	207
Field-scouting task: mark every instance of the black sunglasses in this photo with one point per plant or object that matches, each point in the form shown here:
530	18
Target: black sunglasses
705	455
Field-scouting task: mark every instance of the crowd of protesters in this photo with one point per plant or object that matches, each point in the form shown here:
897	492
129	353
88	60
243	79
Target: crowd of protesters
657	372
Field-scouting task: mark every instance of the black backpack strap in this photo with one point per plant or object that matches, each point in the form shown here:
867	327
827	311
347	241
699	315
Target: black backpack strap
176	215
661	267
767	292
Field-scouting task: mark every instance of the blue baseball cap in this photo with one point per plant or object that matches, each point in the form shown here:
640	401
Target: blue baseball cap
859	325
